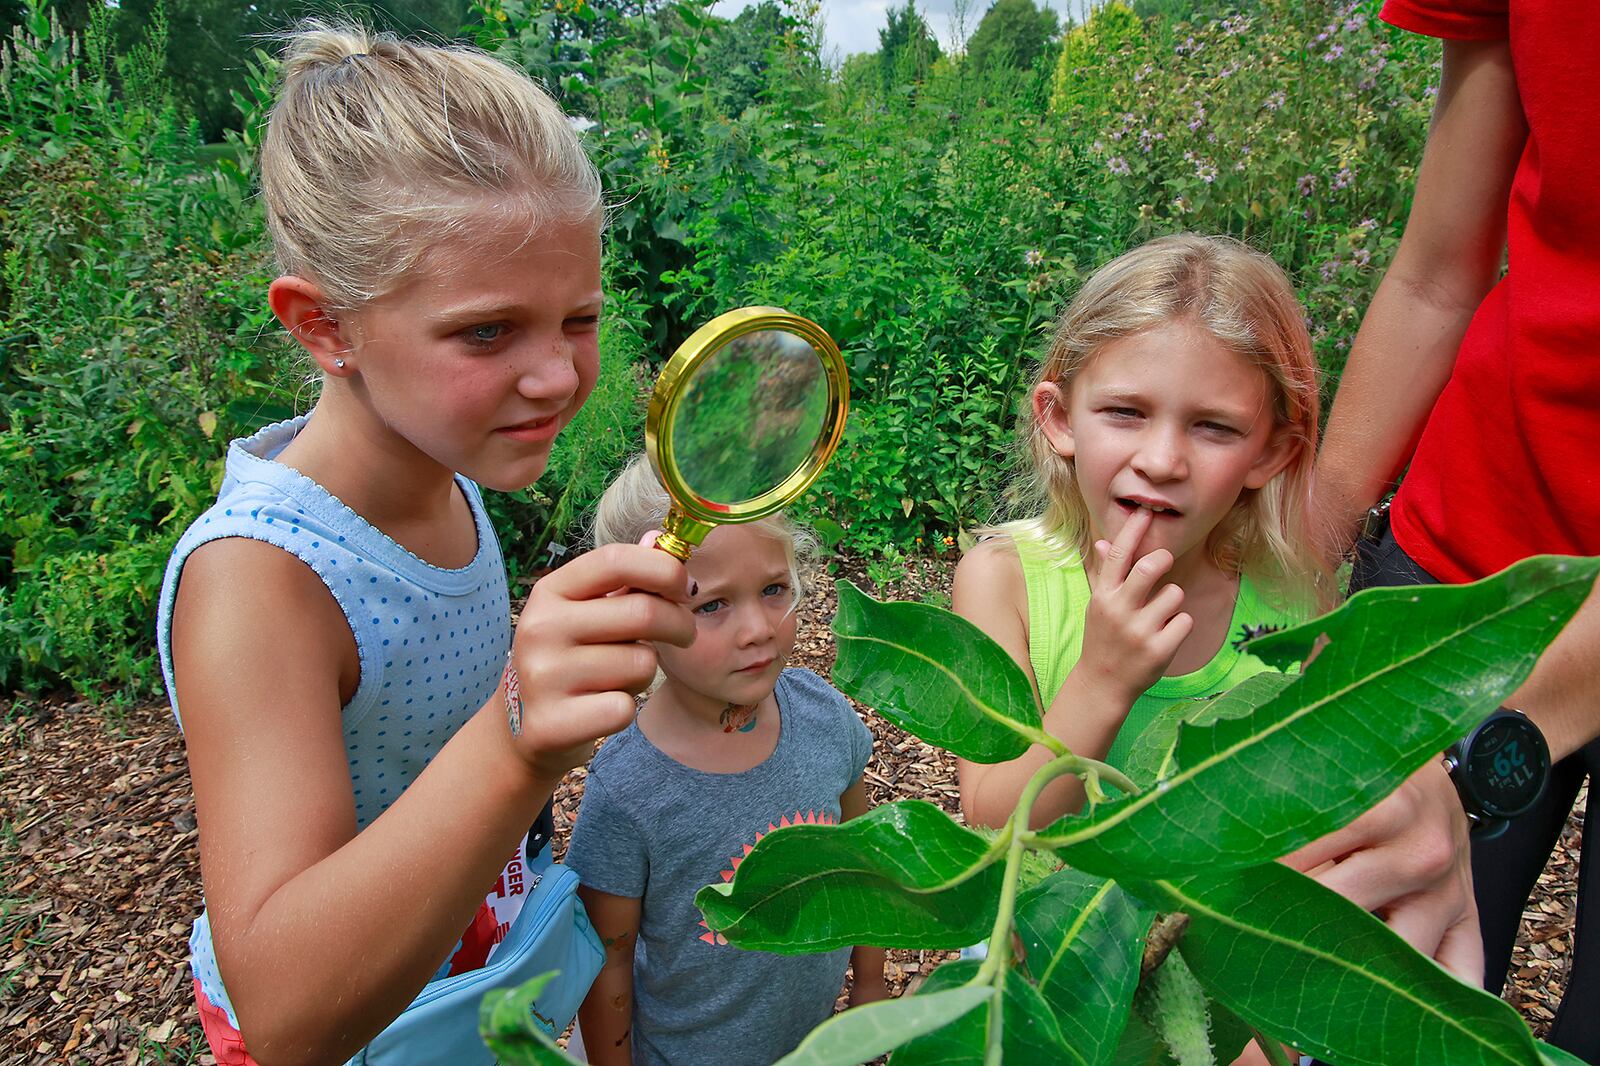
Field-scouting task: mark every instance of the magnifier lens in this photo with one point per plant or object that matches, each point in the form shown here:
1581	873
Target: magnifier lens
743	418
750	416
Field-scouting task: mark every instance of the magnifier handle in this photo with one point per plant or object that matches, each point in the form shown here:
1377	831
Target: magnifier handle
673	545
678	536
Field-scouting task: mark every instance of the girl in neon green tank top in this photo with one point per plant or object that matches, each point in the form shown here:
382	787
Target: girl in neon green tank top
1172	429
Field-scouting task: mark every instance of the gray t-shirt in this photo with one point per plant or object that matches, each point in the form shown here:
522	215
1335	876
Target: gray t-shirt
655	829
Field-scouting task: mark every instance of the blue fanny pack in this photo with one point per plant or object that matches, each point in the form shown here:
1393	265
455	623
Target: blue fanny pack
551	932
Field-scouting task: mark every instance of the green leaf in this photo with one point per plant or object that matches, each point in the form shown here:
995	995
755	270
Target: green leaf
901	875
1154	751
1551	1055
1028	1032
1140	1046
828	531
1404	673
934	674
1308	967
1082	939
861	1034
509	1024
1229	1032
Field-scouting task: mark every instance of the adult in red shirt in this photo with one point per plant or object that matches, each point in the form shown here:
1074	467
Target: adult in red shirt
1490	387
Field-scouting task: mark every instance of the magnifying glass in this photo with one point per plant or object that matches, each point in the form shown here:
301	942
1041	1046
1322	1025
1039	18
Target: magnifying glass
743	418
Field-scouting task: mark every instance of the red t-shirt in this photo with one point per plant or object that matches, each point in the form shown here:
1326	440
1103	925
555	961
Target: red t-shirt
1509	463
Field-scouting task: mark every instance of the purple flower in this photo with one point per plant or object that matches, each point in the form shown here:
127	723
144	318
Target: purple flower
1307	184
1118	165
1032	257
1275	101
1330	268
1342	179
1333	53
1205	172
1361	257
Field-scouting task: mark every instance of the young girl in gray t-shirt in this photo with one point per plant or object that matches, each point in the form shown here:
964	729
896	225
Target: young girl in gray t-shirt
729	746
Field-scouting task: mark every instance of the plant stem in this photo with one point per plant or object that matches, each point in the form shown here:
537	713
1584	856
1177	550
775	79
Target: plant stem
1015	837
996	964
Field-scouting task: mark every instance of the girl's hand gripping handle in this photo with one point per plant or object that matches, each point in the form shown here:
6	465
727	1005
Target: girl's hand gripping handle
1132	631
583	650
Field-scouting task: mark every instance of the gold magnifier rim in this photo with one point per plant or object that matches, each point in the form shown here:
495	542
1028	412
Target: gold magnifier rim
668	395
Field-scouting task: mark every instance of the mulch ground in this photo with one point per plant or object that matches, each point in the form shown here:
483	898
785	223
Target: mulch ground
99	870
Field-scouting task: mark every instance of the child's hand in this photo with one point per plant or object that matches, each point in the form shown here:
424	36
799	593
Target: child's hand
1130	635
582	650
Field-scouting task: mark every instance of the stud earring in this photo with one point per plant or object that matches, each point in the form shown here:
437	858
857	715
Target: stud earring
338	364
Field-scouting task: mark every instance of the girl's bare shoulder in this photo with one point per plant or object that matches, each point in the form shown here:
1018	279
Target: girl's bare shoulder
990	589
254	606
992	559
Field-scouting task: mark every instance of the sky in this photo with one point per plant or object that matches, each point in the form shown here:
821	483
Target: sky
851	26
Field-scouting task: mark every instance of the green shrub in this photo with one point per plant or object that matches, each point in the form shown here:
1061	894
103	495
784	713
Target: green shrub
137	342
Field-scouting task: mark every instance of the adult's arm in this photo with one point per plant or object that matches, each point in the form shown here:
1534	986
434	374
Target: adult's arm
1408	858
1448	260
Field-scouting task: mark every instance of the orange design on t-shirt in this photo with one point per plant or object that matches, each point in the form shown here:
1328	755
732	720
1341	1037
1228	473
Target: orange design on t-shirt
808	818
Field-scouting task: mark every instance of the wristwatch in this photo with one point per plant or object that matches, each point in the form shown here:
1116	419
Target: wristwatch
1500	770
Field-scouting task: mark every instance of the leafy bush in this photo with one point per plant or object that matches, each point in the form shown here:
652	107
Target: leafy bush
135	341
135	345
936	232
1168	933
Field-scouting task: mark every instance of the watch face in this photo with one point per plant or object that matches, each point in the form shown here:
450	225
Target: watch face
1507	764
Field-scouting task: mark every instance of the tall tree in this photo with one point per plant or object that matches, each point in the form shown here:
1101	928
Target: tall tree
208	40
738	58
907	47
1013	33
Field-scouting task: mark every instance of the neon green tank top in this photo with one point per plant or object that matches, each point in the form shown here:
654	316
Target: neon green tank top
1058	600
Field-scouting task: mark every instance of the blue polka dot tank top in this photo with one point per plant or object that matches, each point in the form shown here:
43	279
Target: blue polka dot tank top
431	642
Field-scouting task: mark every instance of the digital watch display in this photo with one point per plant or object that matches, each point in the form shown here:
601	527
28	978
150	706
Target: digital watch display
1499	769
